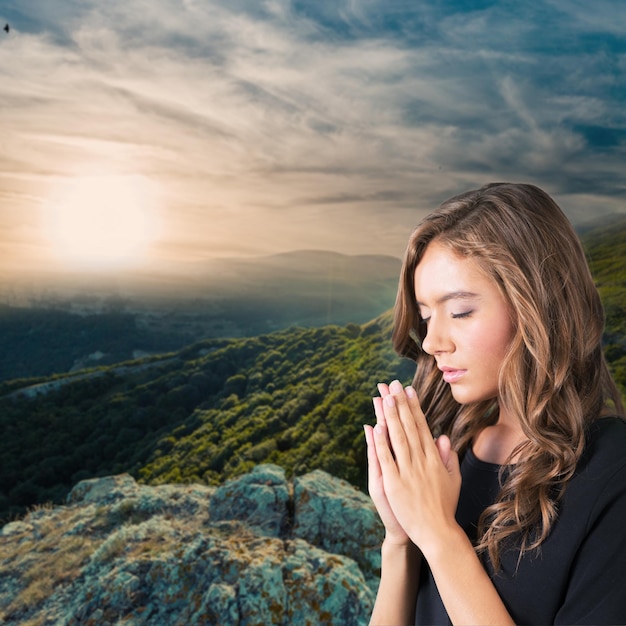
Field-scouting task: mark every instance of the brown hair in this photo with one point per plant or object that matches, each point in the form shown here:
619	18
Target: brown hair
554	378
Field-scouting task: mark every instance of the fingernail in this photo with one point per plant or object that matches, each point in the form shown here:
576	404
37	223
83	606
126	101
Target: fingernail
410	392
396	386
389	400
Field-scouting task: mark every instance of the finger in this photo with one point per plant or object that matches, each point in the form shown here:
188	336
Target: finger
380	415
373	466
423	429
375	483
444	447
376	488
379	411
383	390
449	457
384	455
398	439
406	407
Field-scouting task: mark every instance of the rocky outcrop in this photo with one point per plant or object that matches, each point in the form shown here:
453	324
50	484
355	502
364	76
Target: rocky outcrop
257	550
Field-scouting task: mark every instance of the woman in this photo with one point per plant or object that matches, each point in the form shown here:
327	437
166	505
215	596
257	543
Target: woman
516	511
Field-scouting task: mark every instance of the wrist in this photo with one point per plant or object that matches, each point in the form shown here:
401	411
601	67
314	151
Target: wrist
396	549
448	544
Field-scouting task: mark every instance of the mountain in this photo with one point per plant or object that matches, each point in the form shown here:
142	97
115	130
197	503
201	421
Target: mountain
260	549
94	323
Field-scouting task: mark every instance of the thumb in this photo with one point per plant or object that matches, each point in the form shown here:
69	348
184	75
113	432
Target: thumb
448	456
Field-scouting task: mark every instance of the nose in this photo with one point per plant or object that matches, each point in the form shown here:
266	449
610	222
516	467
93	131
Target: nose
437	339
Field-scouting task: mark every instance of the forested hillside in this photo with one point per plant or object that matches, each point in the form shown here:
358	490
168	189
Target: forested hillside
41	342
297	398
606	248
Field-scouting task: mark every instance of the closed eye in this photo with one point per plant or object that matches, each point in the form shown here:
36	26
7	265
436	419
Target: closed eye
458	316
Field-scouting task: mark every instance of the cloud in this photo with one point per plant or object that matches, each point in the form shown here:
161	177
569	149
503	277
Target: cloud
283	124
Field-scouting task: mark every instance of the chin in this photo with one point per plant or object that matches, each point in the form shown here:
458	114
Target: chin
463	398
469	396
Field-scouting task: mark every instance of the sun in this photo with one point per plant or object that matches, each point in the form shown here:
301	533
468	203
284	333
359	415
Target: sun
102	222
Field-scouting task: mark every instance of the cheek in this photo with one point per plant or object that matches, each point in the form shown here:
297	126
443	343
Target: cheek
491	340
499	339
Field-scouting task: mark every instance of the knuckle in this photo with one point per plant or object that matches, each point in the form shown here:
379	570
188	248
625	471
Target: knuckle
400	398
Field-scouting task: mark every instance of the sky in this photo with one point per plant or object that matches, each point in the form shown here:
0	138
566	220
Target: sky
157	134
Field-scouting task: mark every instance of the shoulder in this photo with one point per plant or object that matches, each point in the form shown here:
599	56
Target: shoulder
601	472
591	523
605	448
607	425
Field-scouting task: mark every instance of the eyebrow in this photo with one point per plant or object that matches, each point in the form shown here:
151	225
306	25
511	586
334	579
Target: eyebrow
453	295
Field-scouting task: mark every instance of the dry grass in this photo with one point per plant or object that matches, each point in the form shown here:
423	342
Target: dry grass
36	621
43	559
45	570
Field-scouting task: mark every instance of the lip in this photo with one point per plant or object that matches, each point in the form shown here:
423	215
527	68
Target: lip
451	375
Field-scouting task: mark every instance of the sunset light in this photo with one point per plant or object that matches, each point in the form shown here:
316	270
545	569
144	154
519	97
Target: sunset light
273	127
102	222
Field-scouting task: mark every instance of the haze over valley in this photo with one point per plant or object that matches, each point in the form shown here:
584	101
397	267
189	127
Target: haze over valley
89	323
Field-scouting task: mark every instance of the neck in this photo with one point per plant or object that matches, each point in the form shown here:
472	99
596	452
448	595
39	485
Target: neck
495	444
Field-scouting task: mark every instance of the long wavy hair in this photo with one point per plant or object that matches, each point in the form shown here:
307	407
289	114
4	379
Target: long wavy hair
554	377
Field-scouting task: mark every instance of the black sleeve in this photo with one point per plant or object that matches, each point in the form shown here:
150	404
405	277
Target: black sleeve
597	590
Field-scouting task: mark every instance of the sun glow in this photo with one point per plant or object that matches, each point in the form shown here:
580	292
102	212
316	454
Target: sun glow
100	222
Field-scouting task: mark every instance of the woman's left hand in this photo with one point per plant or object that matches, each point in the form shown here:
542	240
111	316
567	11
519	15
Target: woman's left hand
421	477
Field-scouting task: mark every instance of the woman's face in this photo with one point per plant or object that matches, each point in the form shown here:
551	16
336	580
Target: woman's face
469	324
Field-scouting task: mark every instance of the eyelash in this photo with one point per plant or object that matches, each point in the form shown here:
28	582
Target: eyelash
455	316
458	316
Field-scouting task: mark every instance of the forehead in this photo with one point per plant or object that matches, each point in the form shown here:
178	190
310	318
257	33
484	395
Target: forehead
442	274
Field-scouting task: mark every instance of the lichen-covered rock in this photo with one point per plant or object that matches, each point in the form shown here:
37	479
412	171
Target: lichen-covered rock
124	553
259	498
103	490
325	588
331	514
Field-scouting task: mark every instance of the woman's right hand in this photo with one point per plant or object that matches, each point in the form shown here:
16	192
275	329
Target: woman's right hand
394	533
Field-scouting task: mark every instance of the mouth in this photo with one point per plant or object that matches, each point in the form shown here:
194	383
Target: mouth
451	375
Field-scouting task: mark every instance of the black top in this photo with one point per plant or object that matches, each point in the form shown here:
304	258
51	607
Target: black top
578	576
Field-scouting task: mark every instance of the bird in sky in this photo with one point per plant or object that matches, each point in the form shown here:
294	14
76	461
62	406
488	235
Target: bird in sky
7	28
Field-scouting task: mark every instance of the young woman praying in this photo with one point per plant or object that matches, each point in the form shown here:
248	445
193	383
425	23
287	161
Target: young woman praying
500	473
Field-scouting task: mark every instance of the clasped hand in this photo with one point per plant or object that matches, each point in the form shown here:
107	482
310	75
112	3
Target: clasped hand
414	480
